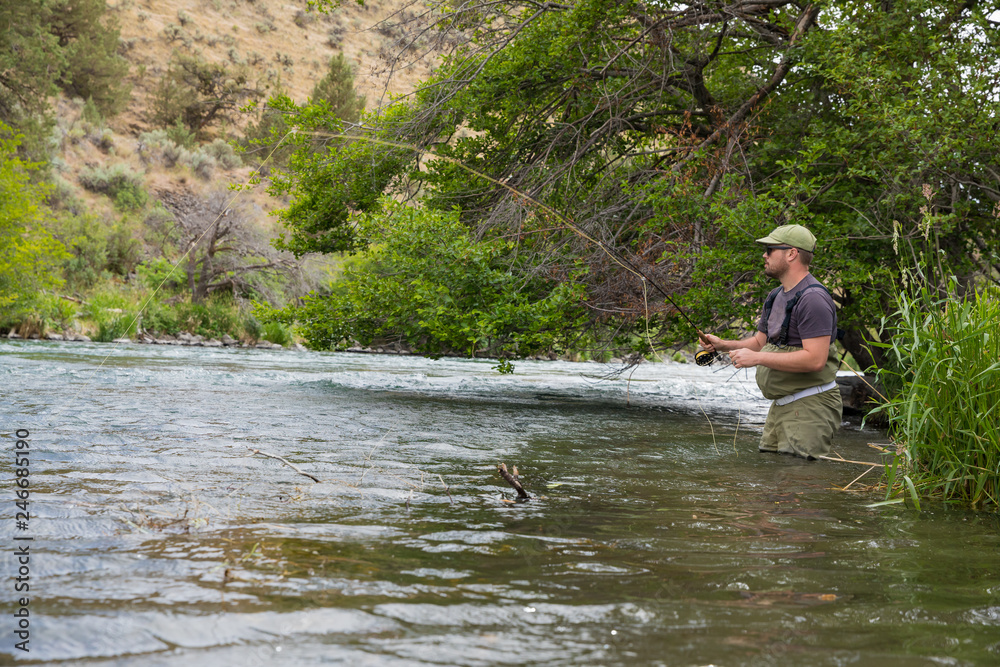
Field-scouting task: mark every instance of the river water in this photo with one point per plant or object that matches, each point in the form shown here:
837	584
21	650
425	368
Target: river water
656	535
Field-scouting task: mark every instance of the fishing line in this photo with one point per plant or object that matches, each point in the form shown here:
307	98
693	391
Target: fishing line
568	222
191	246
60	410
702	357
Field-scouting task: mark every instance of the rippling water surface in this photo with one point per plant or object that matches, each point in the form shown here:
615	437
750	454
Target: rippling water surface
657	534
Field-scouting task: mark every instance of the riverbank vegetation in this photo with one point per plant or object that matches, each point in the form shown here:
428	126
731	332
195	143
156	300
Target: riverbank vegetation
943	368
119	142
633	150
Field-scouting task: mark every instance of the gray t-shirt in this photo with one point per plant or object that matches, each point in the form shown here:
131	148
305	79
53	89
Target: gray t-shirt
814	315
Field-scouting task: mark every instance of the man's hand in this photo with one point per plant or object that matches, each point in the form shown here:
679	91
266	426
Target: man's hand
712	343
812	357
744	358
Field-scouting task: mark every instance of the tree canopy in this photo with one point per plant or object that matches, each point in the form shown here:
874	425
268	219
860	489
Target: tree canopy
48	45
29	256
665	137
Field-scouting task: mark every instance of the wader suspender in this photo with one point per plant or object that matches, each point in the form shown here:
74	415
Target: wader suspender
781	339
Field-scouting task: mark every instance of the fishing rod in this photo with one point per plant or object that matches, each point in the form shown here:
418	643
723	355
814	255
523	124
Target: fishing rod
702	357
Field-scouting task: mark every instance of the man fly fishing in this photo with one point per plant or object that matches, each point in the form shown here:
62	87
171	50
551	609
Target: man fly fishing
792	350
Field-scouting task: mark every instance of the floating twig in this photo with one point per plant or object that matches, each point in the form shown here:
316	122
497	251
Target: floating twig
512	480
858	477
447	489
285	461
843	460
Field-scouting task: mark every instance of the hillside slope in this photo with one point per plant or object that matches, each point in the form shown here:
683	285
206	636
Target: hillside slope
117	180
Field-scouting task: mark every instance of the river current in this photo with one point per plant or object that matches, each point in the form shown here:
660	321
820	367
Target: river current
165	531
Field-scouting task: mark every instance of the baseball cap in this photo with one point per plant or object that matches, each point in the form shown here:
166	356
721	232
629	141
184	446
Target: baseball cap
796	236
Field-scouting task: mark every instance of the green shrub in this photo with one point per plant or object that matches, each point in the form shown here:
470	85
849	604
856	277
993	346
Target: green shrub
181	135
115	326
172	154
197	93
86	239
53	313
119	182
91	113
945	415
131	199
276	332
113	311
251	327
89	39
201	164
214	317
424	279
124	251
224	154
160	274
161	319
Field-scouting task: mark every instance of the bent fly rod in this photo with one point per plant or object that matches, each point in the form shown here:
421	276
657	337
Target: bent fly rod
702	358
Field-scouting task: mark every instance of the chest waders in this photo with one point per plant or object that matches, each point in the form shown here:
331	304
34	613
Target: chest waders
776	384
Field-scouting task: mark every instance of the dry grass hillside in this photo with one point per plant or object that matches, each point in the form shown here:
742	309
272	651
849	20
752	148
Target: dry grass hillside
281	47
284	46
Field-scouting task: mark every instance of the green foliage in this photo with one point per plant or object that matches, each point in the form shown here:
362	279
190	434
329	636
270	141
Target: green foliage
119	182
200	93
180	134
276	332
252	327
29	255
113	312
945	412
337	93
505	367
214	317
223	153
124	250
85	237
159	274
334	100
874	127
330	176
48	44
88	37
425	282
91	114
30	58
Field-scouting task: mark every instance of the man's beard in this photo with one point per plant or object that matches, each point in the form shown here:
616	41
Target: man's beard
776	271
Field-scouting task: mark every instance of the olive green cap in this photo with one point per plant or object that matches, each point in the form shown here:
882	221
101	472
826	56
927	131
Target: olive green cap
796	236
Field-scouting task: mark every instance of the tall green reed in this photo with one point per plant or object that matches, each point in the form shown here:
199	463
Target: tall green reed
945	413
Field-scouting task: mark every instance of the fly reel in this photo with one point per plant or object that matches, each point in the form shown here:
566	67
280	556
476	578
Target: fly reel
705	357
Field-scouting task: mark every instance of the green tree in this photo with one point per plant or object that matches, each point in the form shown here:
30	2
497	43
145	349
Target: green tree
425	283
29	256
676	133
334	102
48	44
88	37
200	93
30	60
337	91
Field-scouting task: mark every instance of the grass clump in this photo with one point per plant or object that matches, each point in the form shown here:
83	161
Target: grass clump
945	414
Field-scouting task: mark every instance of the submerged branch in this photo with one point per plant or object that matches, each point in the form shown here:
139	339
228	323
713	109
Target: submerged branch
512	480
285	461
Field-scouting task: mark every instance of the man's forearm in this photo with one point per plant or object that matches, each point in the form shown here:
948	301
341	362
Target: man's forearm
752	343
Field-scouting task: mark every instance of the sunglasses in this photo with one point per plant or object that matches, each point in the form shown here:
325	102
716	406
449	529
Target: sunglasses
776	247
